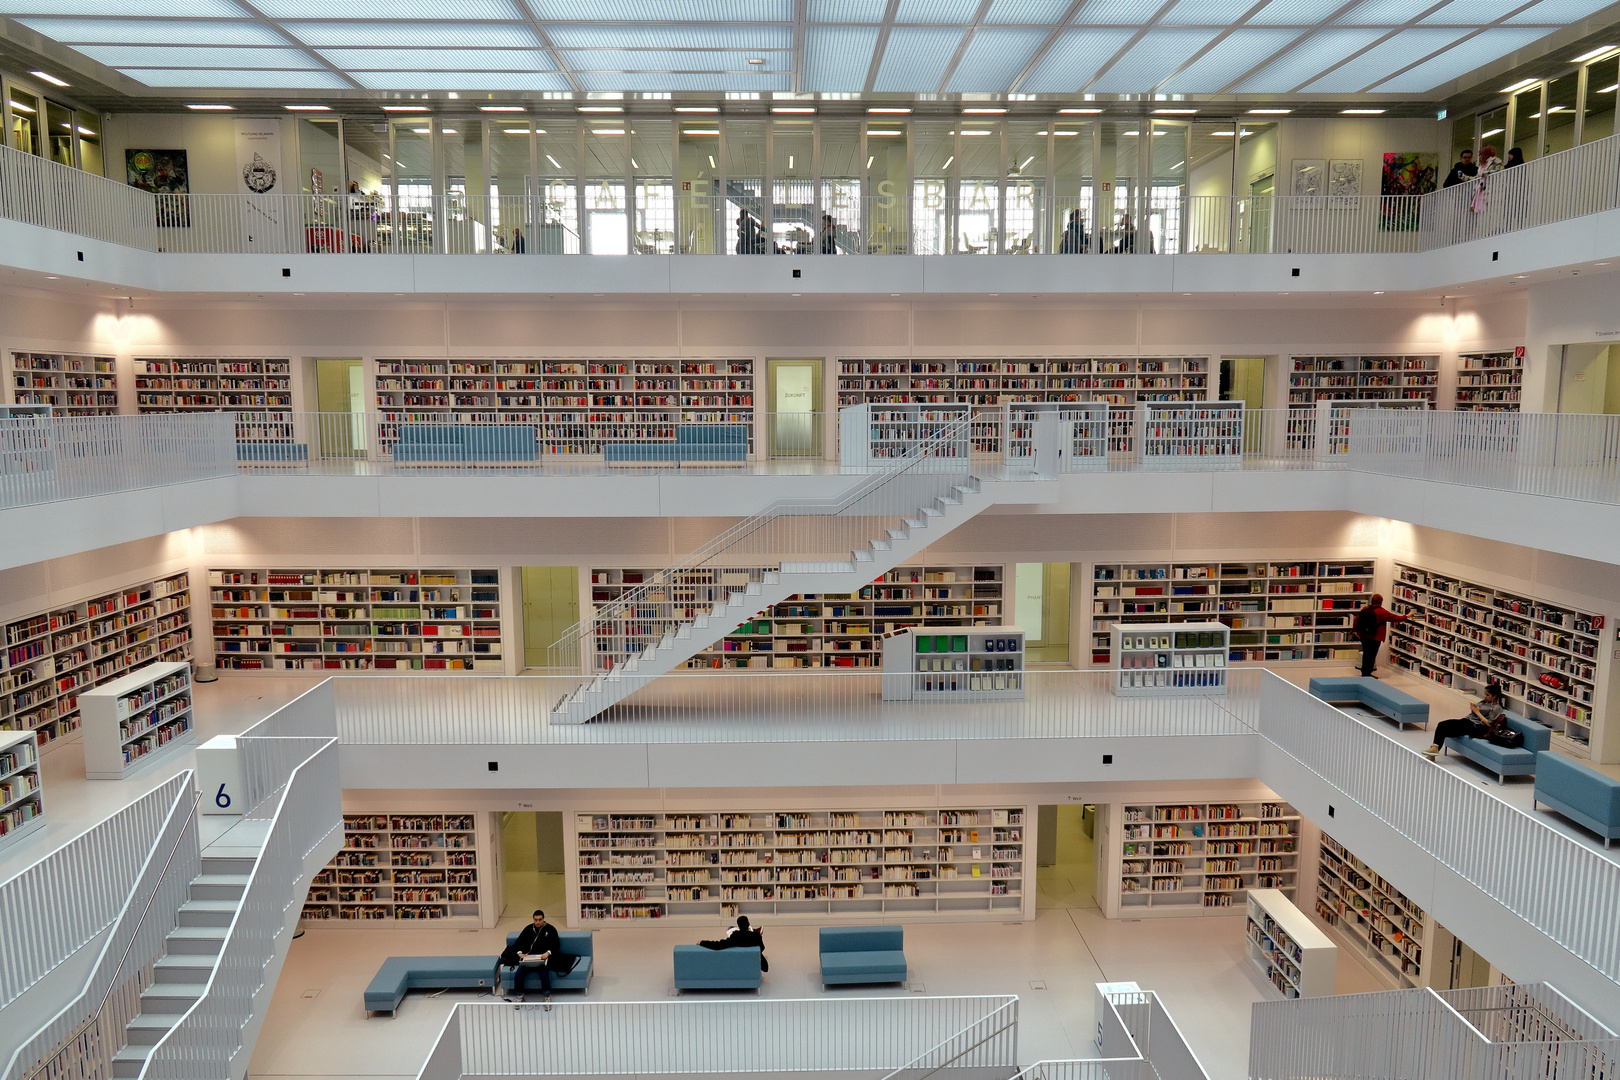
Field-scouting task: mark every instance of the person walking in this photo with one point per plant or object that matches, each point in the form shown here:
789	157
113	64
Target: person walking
1372	623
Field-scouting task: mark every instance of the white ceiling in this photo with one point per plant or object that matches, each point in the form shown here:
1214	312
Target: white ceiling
1340	47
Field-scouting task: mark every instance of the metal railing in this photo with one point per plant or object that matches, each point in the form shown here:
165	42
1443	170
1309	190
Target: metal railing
865	1036
1533	1012
1091	1069
1137	1024
804	532
204	1043
45	458
81	1038
934	219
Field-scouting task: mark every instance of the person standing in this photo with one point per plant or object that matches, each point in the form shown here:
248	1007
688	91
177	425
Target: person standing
1075	241
1462	172
1372	623
1489	164
537	945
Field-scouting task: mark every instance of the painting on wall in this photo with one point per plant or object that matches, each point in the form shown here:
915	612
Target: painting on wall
1310	177
1344	181
164	173
1405	174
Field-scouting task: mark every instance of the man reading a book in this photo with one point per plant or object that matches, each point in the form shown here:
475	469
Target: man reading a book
741	936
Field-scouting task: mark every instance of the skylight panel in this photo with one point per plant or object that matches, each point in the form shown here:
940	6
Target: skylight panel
1229	59
915	58
1385	13
1206	12
460	80
1117	12
226	78
18	9
659	11
682	60
448	10
120	56
994	58
677	36
1148	62
1294	12
1384	59
1072	60
1306	60
1559	12
408	34
959	12
1470	12
847	11
440	59
837	58
1459	60
1039	12
156	31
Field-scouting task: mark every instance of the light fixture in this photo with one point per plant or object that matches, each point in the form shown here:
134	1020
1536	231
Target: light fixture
982	112
422	131
1558	108
1025	165
1362	112
201	108
20	107
500	108
870	158
885	134
404	108
1079	112
601	108
307	108
756	61
1378	292
52	79
887	109
607	131
634	164
973	134
1493	131
555	164
700	131
1177	165
1270	112
85	131
1610	89
712	165
1174	112
697	108
1223	134
790	161
793	109
518	130
948	162
1581	59
1520	85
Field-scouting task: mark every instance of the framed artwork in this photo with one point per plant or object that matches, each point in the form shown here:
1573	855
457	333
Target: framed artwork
1405	174
1344	181
164	173
1310	177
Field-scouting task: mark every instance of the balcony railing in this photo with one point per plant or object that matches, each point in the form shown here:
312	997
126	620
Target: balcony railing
1021	220
44	458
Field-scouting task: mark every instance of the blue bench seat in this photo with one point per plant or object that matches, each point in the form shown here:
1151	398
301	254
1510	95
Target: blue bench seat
580	943
862	954
400	974
694	444
428	443
272	451
1502	760
697	968
1580	793
1392	704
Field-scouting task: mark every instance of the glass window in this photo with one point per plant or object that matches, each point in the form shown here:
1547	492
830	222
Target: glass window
795	224
511	188
979	169
888	176
466	217
59	133
699	228
557	167
1161	210
1257	179
1072	176
1027	228
932	186
24	121
1492	130
320	157
409	224
1526	129
607	162
841	181
1602	84
1209	170
1462	137
89	131
655	186
1116	181
1560	115
745	187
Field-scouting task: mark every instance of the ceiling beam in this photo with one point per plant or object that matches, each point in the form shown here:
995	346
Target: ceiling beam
275	27
889	12
962	46
1046	46
550	46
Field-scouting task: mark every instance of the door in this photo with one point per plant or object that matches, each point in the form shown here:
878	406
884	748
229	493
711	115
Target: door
340	393
531	850
1255	221
794	417
1243	378
1041	610
550	608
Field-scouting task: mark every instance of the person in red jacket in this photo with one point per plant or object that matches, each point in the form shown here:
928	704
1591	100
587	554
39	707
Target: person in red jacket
1372	623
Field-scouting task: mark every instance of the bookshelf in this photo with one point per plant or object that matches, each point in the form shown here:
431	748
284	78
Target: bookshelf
52	656
1190	436
874	434
1375	920
1283	610
1293	955
983	381
826	630
133	721
259	391
1490	381
1364	377
1464	634
356	620
71	384
978	665
22	795
1200	858
700	866
402	867
1167	659
575	405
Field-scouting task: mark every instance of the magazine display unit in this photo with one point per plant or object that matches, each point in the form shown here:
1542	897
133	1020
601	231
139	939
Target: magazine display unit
959	668
258	391
402	868
1200	858
701	867
1375	920
1329	378
1293	955
131	722
1464	635
356	620
71	384
22	795
1490	381
1275	610
1171	659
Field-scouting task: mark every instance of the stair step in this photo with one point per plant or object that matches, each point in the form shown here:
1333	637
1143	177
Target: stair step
930	512
880	545
862	556
227	864
130	1060
170	998
218	886
898	534
207	912
915	523
195	940
184	967
147	1028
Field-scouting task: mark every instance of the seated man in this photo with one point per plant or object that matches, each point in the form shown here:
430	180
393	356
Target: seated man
535	949
1484	718
741	936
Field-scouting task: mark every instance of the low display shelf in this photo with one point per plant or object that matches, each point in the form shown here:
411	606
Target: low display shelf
975	665
1283	610
1490	381
1168	659
1329	378
409	867
1374	919
51	657
356	620
72	385
1293	955
875	435
22	796
1204	436
1464	635
259	391
700	867
130	722
1200	858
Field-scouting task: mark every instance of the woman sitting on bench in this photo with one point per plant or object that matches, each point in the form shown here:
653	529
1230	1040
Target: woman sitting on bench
1484	718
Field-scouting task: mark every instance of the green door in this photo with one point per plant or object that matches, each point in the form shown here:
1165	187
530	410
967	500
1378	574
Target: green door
550	608
795	412
340	394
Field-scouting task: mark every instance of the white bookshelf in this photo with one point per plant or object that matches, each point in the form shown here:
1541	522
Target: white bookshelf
70	383
1490	381
979	381
1464	634
1170	659
1376	921
1276	610
1208	435
871	435
404	868
700	867
51	657
1178	859
257	390
1293	955
1363	377
355	619
132	721
22	793
954	667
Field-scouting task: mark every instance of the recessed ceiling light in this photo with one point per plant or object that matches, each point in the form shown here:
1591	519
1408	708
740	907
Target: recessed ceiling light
500	108
422	131
1378	292
1270	112
20	107
697	108
404	108
755	60
554	162
887	109
1581	59
1520	85
1221	134
1493	131
1174	112
982	112
307	108
52	277
1610	89
792	109
448	131
601	108
882	133
52	79
211	108
1079	112
1362	112
700	131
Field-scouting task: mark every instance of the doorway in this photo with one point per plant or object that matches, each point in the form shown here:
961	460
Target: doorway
1066	872
1243	378
340	396
532	855
550	608
1589	380
794	413
1041	610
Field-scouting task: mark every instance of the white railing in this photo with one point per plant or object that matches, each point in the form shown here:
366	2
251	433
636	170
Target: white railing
205	1042
1533	1012
866	1036
81	1038
934	221
43	459
1091	1069
1137	1024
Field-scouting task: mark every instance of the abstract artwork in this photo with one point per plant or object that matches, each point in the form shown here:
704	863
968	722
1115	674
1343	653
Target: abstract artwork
1405	175
1310	177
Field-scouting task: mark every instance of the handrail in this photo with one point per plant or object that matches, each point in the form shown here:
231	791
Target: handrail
1013	1024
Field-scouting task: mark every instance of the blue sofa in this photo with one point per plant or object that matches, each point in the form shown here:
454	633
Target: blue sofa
862	954
464	442
1392	704
580	943
400	974
697	968
1580	793
274	451
694	444
1501	760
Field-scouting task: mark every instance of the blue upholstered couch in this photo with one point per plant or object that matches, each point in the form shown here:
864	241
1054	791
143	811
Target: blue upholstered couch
580	943
862	954
697	968
1393	704
272	451
464	442
1580	793
694	444
401	974
1505	762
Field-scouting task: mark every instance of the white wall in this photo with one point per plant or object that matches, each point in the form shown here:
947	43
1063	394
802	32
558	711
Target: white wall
1568	310
1365	138
209	140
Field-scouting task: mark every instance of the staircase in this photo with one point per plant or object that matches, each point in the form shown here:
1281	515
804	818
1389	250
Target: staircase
190	952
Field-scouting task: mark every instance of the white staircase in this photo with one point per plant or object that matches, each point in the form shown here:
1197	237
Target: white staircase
961	499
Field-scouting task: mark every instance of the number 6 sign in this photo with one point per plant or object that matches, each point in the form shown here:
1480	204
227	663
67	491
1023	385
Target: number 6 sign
219	776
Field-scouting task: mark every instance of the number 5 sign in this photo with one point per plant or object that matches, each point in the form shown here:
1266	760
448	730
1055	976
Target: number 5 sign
219	776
